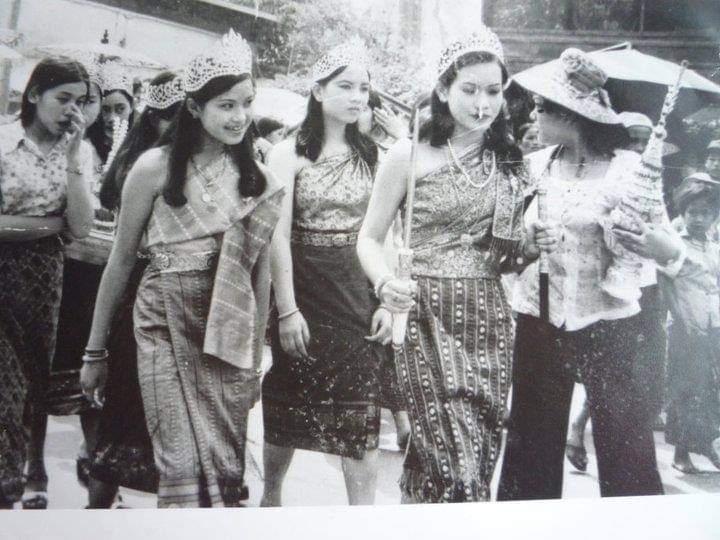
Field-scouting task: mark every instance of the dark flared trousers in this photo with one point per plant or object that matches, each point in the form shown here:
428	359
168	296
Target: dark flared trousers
546	362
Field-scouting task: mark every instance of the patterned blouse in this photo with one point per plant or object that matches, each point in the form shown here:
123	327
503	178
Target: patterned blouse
454	214
332	194
580	262
33	183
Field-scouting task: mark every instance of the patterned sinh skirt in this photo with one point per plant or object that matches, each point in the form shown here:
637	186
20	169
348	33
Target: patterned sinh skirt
329	402
454	369
124	454
196	406
29	304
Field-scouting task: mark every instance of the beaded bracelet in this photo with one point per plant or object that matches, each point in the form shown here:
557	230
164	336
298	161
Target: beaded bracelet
285	315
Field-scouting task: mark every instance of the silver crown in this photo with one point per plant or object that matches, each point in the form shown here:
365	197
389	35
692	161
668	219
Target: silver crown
115	77
351	52
162	96
92	66
229	56
481	40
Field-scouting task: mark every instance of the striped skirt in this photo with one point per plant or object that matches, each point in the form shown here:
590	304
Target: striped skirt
196	406
454	371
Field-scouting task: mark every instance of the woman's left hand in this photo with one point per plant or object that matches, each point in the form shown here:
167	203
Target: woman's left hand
652	242
381	326
74	137
93	376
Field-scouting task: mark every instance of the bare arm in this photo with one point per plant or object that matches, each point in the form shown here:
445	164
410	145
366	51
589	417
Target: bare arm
23	228
388	192
79	212
138	194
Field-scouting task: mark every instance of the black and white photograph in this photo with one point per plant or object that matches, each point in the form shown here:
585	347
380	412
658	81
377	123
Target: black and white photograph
307	261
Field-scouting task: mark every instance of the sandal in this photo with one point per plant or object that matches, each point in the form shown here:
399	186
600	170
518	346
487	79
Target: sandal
35	500
577	456
685	468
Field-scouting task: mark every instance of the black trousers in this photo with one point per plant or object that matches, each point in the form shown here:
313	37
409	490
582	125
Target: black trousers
547	361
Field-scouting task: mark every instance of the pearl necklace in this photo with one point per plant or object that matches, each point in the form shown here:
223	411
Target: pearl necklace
468	179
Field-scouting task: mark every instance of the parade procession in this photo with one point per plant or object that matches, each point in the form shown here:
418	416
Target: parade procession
405	256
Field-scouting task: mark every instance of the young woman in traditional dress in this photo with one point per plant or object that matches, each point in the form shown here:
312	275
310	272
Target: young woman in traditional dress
81	278
590	335
45	170
208	210
454	366
123	453
322	392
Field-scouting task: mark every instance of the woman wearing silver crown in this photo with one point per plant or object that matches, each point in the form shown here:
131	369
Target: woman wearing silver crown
208	211
590	334
323	390
454	365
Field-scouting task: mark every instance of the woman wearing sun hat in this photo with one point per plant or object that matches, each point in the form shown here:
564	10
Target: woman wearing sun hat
590	334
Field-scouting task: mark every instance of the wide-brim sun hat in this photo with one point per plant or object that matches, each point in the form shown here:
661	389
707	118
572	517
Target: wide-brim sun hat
575	82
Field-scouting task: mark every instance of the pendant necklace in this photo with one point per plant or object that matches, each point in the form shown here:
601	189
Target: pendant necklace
206	197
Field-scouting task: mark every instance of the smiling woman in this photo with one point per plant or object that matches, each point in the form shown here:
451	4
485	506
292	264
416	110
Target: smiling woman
208	211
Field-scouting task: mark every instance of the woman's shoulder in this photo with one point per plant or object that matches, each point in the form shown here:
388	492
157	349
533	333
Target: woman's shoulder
10	135
625	157
150	168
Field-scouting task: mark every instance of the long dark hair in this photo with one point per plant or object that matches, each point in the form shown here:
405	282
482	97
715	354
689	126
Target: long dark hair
441	125
96	132
49	73
187	139
311	136
601	139
143	136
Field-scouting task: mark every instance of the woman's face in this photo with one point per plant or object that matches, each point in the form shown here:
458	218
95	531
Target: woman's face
115	105
712	164
345	97
475	97
55	106
227	116
276	136
554	125
92	105
530	141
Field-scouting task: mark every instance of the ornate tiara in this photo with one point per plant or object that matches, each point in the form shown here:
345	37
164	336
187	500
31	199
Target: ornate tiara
162	96
229	56
351	52
481	40
92	66
115	77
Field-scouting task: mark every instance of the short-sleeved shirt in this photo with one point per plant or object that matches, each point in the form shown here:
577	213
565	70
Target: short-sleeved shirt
33	183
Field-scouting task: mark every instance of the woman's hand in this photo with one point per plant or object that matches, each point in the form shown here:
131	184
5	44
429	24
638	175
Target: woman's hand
399	294
294	335
93	377
381	326
652	242
390	122
75	135
541	236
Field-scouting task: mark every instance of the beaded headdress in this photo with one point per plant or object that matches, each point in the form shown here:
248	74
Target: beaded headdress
115	77
231	55
351	52
481	40
162	96
92	66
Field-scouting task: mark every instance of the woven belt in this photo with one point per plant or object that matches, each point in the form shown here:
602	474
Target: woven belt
182	262
324	239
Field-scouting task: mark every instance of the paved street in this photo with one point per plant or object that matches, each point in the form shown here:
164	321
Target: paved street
316	479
